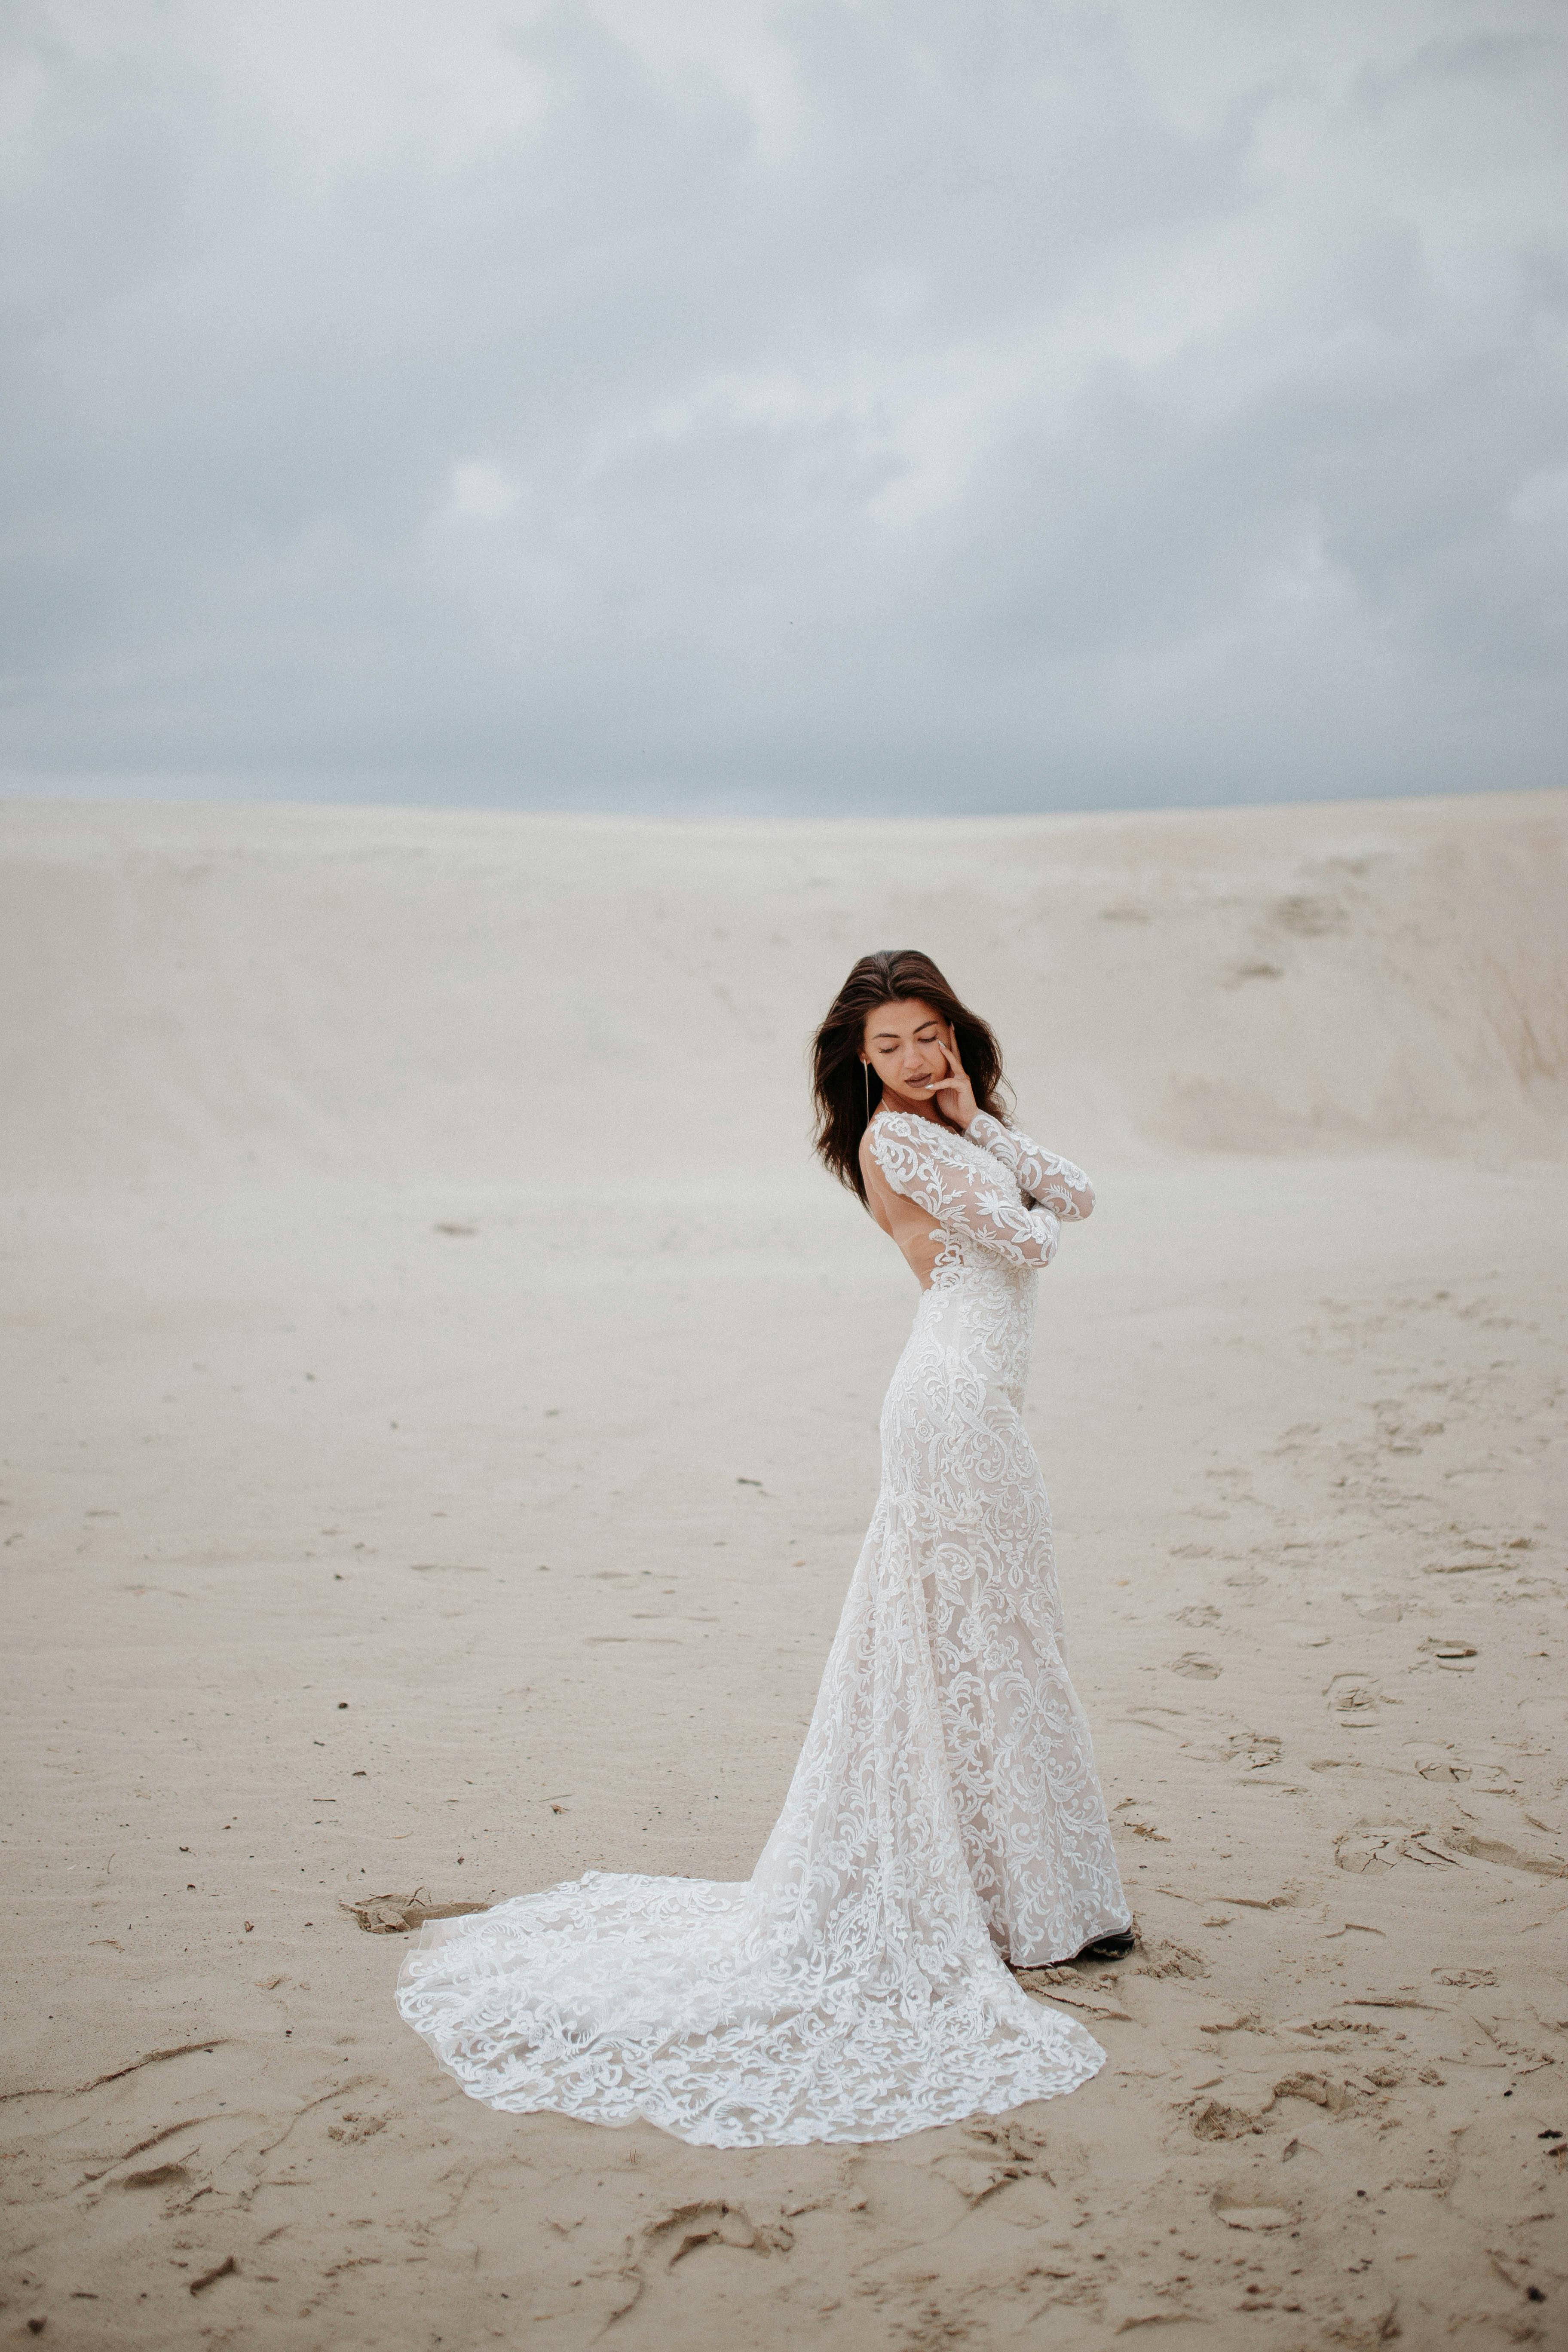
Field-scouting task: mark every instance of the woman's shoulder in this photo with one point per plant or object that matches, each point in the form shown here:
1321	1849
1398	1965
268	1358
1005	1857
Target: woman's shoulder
895	1129
891	1126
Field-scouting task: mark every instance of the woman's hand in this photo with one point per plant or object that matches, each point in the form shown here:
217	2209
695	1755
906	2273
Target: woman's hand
953	1095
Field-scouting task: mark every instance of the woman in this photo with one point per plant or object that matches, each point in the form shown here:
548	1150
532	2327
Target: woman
944	1820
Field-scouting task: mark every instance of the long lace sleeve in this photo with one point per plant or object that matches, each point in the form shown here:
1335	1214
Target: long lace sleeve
1044	1179
921	1160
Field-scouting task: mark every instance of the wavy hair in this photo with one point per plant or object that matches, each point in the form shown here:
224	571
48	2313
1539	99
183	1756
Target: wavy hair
838	1083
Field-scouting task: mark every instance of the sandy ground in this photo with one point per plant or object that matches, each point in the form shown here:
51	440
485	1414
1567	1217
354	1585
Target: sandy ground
440	1418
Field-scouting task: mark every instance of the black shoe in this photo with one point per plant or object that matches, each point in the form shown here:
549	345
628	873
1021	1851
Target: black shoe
1114	1947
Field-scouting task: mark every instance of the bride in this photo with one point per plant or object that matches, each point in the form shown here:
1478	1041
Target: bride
944	1825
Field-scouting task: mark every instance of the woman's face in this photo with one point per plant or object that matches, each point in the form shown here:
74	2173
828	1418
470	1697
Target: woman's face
903	1044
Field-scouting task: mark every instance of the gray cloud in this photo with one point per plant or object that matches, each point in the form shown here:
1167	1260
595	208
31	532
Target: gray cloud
650	405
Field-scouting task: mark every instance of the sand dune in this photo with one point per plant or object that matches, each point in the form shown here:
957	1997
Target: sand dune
360	993
441	1416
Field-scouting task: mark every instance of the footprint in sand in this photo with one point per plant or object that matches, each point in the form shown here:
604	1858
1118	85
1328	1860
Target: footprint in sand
1202	1612
1197	1666
1256	1749
710	2224
1371	1848
1354	1699
1374	1846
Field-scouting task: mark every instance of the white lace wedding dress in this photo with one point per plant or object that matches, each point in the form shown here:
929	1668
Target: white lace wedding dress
944	1815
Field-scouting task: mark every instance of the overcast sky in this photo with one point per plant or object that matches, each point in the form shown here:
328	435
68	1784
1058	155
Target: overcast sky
706	404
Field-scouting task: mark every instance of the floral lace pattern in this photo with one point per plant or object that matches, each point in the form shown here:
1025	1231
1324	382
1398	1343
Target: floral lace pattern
944	1815
1044	1181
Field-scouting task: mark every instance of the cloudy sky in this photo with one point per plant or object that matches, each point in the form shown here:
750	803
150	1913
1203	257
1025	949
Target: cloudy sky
857	405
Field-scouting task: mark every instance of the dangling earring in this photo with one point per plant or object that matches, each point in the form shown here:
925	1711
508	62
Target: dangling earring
866	1066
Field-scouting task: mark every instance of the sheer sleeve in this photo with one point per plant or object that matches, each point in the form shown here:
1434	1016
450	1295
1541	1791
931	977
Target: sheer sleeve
921	1160
1045	1181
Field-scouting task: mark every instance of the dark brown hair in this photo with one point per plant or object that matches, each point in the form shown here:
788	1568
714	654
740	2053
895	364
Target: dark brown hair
838	1082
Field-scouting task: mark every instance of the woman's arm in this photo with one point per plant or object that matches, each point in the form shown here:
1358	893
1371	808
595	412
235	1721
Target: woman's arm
1045	1181
919	1159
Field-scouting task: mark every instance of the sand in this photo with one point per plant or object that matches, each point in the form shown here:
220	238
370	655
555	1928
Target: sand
441	1402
